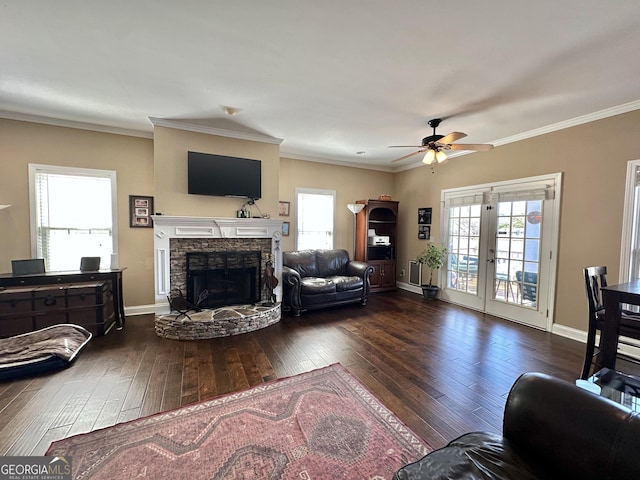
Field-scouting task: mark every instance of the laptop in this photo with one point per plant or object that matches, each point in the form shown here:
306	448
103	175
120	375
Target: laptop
89	264
28	266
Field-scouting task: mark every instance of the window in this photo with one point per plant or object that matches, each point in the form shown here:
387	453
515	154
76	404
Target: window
315	218
73	215
630	249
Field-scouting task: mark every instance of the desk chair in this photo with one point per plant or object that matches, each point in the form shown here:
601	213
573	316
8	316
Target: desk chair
595	278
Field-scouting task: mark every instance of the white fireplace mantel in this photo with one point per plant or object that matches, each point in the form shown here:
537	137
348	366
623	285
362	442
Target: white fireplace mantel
168	227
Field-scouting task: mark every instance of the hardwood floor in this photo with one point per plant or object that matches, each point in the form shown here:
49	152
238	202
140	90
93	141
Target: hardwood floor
442	369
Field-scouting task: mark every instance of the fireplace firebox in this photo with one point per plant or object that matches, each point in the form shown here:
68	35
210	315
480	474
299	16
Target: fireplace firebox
217	279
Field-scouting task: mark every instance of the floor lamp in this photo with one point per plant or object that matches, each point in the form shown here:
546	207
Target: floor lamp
355	208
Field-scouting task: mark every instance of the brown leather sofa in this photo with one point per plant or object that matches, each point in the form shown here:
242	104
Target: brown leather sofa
551	430
323	278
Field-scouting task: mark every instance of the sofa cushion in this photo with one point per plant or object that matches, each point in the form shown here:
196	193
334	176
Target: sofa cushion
304	262
332	262
316	286
345	283
472	456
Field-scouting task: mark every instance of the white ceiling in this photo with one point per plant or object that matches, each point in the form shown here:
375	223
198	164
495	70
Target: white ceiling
331	77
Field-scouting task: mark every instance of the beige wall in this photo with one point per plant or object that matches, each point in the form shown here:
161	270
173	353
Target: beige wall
170	167
22	143
350	184
593	158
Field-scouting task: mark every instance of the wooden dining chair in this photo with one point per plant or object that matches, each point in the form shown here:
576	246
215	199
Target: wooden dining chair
595	278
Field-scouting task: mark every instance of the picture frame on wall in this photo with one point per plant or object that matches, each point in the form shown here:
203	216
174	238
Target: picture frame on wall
285	229
283	209
424	216
424	232
140	211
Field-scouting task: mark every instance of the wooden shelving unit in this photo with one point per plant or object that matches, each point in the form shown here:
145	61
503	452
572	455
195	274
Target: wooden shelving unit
380	218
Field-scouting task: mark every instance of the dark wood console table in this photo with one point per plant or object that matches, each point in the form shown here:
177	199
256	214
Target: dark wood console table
52	278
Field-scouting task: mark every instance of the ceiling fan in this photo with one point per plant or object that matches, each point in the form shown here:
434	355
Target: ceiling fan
436	145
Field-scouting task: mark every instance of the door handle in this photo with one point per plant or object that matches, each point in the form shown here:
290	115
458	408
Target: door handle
490	260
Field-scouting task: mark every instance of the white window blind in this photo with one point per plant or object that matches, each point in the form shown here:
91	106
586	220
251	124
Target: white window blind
315	219
73	215
524	192
465	199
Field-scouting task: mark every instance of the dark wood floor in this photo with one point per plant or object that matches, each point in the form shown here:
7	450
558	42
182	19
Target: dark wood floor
444	370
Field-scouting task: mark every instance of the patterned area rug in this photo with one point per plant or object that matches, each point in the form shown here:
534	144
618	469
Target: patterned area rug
318	425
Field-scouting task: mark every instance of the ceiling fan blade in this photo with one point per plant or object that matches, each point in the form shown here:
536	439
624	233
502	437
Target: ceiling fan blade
452	137
405	146
407	156
479	147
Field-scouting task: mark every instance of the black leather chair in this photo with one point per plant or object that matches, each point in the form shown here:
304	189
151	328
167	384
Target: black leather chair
551	430
595	278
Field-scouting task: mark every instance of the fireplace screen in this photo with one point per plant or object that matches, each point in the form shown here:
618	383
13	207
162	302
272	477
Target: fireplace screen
224	278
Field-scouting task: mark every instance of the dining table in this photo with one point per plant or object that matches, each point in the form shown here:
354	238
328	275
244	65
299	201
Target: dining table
613	296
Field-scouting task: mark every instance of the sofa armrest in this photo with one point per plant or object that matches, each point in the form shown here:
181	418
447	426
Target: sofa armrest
364	271
291	289
359	269
571	432
289	275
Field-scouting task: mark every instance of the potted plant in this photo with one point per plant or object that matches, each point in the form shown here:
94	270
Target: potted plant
433	257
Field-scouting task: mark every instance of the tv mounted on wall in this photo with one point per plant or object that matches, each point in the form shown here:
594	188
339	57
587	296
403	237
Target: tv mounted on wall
222	176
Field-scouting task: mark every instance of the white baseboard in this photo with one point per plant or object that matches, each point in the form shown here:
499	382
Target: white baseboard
568	332
409	287
139	310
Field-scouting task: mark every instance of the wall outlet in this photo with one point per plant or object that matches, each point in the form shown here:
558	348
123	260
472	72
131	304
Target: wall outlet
402	272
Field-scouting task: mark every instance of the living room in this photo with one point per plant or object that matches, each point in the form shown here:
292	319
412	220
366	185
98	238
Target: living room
433	347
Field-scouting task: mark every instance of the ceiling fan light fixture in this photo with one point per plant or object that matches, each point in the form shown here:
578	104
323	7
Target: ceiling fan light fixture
430	157
441	157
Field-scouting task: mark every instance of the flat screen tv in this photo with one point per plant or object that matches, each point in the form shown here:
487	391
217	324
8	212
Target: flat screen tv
222	176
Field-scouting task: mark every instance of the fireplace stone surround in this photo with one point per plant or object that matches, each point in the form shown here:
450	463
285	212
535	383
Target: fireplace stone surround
174	236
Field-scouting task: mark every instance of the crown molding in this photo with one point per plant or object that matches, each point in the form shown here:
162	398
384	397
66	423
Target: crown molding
221	132
573	122
306	158
59	122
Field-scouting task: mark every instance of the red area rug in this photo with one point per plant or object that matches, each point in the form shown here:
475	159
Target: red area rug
318	425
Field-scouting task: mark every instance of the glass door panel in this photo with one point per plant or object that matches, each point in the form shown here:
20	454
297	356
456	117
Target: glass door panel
464	277
517	262
517	251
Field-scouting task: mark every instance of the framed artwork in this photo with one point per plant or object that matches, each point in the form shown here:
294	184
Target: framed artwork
283	209
140	211
424	232
285	229
424	216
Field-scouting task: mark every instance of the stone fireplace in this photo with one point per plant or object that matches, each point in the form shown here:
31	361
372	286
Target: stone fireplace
222	278
225	255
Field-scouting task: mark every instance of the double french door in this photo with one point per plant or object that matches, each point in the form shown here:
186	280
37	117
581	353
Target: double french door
501	239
